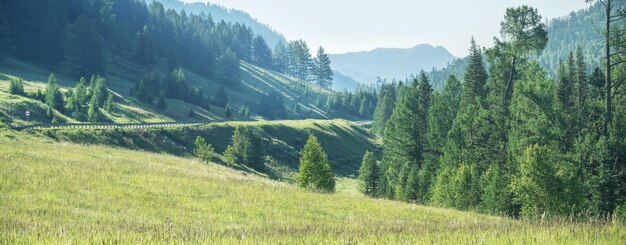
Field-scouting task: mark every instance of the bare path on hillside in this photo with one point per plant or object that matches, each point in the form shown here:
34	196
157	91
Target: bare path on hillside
132	125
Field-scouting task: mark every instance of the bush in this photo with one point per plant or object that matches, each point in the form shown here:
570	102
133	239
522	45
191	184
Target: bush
16	87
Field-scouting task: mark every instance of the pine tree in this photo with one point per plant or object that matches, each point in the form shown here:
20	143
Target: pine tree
109	105
227	112
261	53
221	97
402	142
475	76
384	108
315	171
369	175
246	148
53	96
84	48
281	58
230	72
161	103
203	150
322	72
94	114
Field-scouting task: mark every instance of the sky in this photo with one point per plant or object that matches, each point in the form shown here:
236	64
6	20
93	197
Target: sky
342	26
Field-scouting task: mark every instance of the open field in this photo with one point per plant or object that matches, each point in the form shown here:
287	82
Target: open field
65	193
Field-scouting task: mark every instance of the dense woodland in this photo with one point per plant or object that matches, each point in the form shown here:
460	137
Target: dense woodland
85	38
509	138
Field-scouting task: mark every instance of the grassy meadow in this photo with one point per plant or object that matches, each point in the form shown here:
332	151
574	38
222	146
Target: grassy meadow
53	192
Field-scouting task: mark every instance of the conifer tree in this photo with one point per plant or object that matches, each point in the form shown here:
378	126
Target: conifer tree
161	103
221	97
203	150
402	142
369	175
322	72
261	53
53	96
315	171
109	105
94	114
384	108
84	52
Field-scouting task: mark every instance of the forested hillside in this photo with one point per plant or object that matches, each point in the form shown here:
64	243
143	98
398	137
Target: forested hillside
511	138
220	13
162	61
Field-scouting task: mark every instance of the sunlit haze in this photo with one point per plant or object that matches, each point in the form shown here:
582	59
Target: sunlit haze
354	25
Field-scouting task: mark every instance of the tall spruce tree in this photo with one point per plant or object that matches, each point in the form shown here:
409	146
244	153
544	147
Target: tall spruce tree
369	175
322	72
261	53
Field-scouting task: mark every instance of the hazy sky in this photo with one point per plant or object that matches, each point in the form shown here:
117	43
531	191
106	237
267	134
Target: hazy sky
354	25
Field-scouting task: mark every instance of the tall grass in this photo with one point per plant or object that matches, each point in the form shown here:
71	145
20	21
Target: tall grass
66	193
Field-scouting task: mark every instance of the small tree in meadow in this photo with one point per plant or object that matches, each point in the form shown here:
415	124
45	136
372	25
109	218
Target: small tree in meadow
315	171
203	150
369	175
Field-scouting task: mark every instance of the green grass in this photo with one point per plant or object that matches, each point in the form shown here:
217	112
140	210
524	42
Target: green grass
121	77
344	142
65	193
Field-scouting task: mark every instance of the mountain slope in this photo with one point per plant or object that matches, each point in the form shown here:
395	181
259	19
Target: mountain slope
220	13
66	193
390	63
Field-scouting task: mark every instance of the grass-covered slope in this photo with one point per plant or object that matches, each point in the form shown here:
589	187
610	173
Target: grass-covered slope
66	193
122	76
344	142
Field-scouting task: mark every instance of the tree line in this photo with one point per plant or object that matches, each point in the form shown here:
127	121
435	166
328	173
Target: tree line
508	139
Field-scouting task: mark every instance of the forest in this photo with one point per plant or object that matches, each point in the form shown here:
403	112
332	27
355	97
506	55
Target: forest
509	138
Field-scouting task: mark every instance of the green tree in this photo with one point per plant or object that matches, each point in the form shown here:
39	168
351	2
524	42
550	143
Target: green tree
538	188
54	98
16	86
109	105
227	112
161	103
369	175
84	48
261	53
230	72
246	148
221	97
475	76
94	114
315	171
203	150
384	108
322	72
402	142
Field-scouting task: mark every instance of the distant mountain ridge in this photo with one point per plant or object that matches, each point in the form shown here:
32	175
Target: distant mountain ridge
390	63
219	13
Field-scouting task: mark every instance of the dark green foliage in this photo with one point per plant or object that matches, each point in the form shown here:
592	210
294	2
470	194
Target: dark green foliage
281	58
475	76
261	53
109	105
54	98
271	106
94	114
221	97
246	148
16	86
203	150
161	103
322	72
369	175
384	108
191	113
5	33
84	47
230	72
402	142
227	112
299	61
315	171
